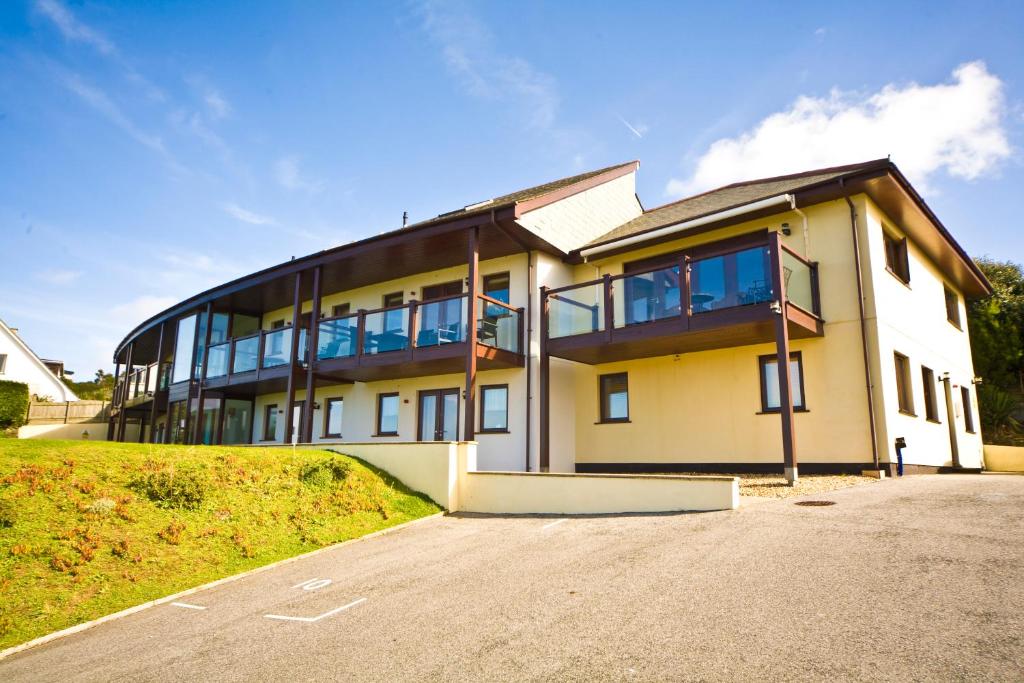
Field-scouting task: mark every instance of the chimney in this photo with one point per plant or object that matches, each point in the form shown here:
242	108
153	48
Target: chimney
405	218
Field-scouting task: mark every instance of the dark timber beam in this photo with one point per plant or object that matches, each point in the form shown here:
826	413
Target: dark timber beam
122	418
115	402
159	366
200	393
186	430
473	259
782	355
545	385
293	351
311	342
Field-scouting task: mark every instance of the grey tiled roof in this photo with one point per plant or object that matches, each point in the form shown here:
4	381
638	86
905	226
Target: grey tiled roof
726	197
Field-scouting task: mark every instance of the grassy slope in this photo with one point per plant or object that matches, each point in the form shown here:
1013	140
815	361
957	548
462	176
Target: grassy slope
62	562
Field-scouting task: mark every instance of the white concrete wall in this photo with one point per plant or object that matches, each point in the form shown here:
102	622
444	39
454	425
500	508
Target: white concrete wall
97	431
23	367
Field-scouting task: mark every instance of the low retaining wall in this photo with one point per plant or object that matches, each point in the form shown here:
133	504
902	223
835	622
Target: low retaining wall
97	431
430	467
1004	458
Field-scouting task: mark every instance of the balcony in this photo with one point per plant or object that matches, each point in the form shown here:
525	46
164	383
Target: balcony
416	339
717	296
140	386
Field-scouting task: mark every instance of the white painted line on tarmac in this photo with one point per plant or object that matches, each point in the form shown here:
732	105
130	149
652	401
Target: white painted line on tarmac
310	620
313	584
186	605
551	524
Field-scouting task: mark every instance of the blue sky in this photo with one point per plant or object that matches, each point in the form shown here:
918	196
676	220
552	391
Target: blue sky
151	150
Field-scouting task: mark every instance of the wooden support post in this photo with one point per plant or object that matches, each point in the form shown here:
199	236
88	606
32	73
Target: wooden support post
545	385
292	352
473	259
782	356
113	402
312	338
201	391
186	430
609	307
156	390
122	418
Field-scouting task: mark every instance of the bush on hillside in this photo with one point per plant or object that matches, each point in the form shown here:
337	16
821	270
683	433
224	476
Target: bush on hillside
13	404
324	473
180	488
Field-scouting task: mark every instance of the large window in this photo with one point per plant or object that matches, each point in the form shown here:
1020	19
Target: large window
333	409
387	415
494	408
183	347
270	422
931	405
339	310
496	286
952	307
896	260
614	391
904	388
771	396
237	421
965	397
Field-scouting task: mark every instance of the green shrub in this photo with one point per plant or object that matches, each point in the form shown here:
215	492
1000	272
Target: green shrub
8	514
173	488
324	473
13	403
997	408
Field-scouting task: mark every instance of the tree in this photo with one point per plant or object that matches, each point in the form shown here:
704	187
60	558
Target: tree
100	389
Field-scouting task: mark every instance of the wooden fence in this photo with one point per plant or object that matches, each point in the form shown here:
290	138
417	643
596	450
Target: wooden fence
69	411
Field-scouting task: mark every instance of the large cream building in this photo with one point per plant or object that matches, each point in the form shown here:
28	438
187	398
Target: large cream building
566	328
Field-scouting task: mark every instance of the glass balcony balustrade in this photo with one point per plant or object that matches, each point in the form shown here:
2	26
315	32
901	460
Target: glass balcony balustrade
217	357
337	338
247	351
741	278
442	322
386	330
277	344
646	297
498	326
578	310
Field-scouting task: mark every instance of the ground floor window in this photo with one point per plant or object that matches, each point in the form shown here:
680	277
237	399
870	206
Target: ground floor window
931	405
494	408
771	397
904	389
965	396
176	421
387	415
614	391
332	417
270	422
237	421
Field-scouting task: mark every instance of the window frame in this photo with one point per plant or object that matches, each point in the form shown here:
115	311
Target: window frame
341	310
483	402
390	295
965	398
931	398
952	307
277	324
602	405
762	364
3	363
490	277
380	404
327	433
904	384
268	410
897	260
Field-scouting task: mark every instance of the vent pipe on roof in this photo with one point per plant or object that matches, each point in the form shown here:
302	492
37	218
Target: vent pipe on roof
405	218
685	225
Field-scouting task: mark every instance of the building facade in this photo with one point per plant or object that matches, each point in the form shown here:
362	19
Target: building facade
18	363
813	321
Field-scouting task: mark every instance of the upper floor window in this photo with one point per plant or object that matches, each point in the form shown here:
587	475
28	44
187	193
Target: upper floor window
339	310
931	405
952	306
614	397
904	388
896	260
496	286
277	324
771	398
3	363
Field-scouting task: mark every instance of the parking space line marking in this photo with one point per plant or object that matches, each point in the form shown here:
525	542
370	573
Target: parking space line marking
313	584
186	605
555	523
310	620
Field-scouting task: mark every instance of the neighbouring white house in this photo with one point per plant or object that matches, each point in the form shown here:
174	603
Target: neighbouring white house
18	363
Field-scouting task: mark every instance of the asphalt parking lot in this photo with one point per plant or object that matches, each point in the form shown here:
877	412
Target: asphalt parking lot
915	579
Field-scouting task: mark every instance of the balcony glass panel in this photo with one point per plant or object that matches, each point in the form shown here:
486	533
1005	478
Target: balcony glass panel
738	279
302	352
386	331
442	322
337	338
498	326
646	297
218	360
797	279
151	380
276	347
246	352
184	343
576	311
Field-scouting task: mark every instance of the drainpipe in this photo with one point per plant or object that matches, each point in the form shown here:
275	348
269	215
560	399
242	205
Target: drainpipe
863	323
803	217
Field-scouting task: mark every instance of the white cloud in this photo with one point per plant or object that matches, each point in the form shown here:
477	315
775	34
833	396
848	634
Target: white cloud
956	127
638	130
141	308
290	177
246	216
72	29
57	276
467	48
217	104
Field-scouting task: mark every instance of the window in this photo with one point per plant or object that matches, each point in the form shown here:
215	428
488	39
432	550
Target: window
442	290
3	362
393	299
896	257
394	320
277	324
952	307
494	408
904	389
931	406
771	397
339	310
387	415
614	397
332	417
965	396
270	422
496	286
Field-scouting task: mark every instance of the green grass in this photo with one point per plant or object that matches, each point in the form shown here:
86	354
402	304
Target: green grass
81	536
